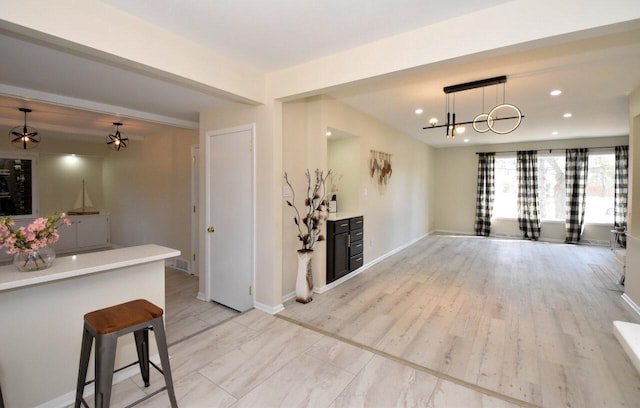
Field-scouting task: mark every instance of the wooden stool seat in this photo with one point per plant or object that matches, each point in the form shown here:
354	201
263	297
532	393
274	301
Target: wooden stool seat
105	326
115	318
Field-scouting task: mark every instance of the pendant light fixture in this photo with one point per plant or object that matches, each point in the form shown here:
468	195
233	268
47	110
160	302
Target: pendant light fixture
24	136
117	141
507	115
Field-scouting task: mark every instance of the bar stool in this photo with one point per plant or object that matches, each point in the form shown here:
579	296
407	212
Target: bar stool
105	326
1	400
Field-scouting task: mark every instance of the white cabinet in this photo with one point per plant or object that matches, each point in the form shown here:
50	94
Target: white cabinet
85	232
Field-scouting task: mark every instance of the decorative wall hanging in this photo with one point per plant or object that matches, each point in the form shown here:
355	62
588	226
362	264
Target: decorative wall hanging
380	167
24	136
502	119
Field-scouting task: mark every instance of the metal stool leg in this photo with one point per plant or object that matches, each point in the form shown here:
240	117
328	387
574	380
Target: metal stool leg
85	354
105	361
161	342
142	347
1	399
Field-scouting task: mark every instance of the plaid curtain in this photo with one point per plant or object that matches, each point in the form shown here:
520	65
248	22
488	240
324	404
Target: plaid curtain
485	193
621	191
576	169
528	213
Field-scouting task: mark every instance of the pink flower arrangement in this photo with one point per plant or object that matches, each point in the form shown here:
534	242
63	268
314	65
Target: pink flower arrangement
38	234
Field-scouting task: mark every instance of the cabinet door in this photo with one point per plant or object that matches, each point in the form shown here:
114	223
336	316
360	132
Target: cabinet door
341	255
67	239
93	231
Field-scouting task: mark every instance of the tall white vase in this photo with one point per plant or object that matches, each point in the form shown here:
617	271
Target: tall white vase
304	280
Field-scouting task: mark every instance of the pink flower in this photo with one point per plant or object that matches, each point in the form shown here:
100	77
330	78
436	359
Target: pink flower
41	232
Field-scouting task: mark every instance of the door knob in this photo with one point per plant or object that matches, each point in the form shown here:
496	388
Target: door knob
211	229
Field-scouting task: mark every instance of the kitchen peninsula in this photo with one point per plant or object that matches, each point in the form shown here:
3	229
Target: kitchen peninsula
41	317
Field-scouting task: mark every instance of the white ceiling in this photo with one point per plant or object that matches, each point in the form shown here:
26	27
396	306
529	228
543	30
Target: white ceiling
596	71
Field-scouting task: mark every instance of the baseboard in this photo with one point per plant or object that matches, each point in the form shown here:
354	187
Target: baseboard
201	296
69	398
290	296
451	232
631	303
363	268
272	310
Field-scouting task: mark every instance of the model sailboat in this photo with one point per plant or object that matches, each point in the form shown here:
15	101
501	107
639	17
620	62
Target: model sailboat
83	204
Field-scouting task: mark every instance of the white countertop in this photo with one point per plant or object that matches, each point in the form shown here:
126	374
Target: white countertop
342	216
628	335
77	265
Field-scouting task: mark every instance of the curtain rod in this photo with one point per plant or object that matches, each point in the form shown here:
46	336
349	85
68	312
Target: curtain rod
550	150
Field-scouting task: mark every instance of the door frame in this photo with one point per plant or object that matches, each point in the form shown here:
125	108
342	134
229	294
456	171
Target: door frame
206	237
195	209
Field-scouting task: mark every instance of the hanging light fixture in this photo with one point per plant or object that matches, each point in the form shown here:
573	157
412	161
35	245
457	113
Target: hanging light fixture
483	122
24	136
117	141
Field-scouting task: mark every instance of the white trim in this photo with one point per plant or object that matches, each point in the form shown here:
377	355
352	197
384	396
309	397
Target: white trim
69	398
195	215
272	310
323	289
83	104
631	303
289	296
202	296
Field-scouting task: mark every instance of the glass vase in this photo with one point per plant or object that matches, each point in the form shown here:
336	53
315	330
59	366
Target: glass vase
35	260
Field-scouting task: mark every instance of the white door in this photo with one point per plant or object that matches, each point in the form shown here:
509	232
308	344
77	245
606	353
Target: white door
229	244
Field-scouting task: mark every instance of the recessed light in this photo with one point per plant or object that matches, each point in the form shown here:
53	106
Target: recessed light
466	140
328	133
419	111
555	92
554	133
567	115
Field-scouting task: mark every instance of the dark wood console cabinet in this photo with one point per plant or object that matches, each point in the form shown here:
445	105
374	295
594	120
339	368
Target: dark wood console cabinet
345	245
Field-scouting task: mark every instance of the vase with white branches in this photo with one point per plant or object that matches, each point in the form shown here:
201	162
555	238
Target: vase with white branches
309	223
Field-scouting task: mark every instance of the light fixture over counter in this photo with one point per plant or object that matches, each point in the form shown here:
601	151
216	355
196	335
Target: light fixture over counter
24	136
117	141
502	119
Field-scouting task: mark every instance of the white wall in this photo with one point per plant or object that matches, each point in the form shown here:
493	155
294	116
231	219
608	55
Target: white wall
268	151
343	158
393	216
632	282
456	189
147	191
146	188
60	181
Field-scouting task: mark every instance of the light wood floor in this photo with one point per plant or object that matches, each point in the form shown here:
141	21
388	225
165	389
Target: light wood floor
449	322
185	315
527	320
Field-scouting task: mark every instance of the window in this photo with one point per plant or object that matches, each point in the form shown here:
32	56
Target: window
600	188
17	185
505	203
551	187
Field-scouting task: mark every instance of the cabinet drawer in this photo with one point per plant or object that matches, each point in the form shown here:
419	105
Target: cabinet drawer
356	235
336	227
356	248
355	262
356	223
